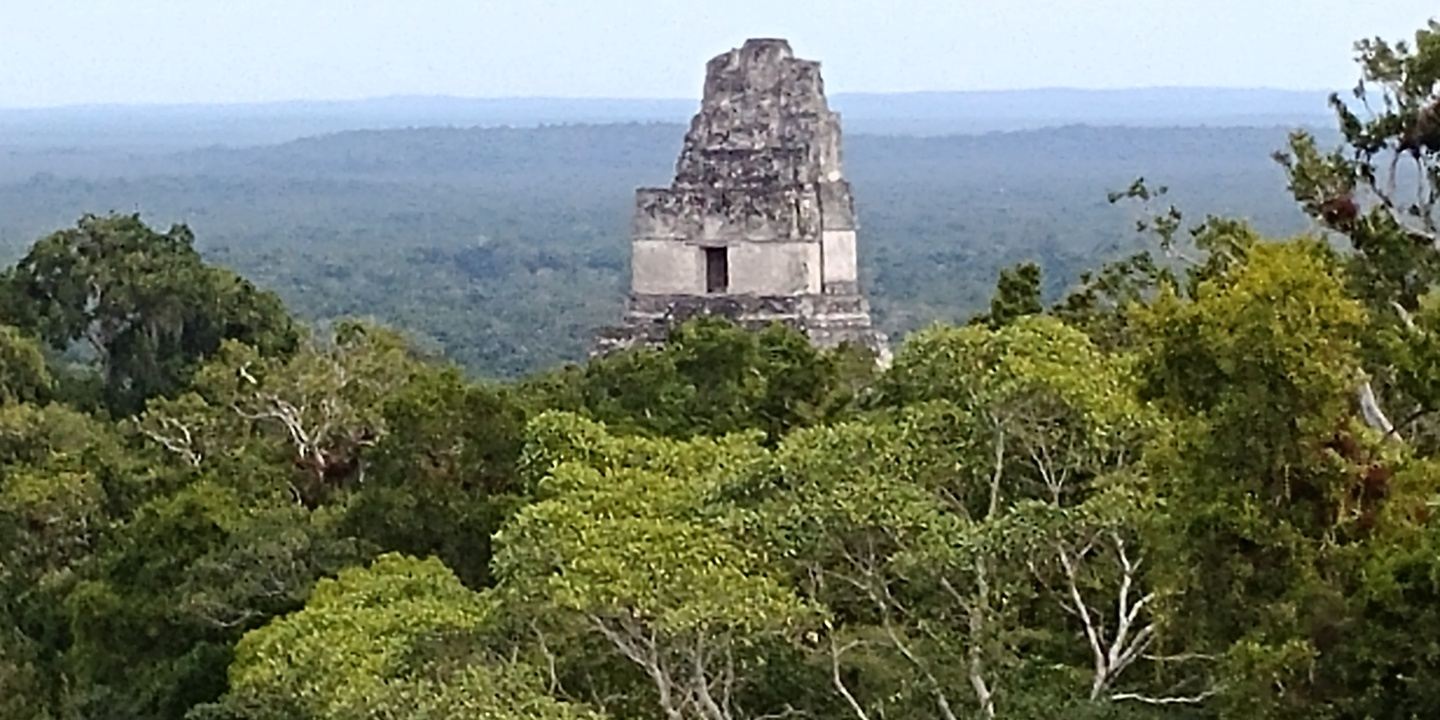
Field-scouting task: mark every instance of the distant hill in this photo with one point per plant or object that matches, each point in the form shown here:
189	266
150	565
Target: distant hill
171	127
506	247
940	113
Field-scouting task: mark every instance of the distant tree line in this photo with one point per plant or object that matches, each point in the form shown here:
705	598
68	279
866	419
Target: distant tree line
506	248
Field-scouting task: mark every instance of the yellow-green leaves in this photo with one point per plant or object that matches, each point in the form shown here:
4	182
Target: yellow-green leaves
634	541
936	525
1036	358
634	528
58	515
358	631
1266	356
23	374
397	640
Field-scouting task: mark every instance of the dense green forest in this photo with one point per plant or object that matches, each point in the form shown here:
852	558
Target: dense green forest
1199	481
506	248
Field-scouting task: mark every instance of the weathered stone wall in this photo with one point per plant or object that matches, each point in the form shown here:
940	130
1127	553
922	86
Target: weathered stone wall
662	267
839	254
791	268
722	216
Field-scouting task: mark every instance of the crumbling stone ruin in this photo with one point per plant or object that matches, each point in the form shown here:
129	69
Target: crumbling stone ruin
759	224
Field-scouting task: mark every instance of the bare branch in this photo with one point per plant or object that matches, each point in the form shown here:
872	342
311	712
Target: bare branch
1166	700
839	683
998	471
1370	410
182	443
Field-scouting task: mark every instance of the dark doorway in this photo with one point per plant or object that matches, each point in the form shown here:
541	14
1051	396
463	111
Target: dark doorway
717	270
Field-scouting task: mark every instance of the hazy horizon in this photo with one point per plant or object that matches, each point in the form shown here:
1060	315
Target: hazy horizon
1317	91
69	53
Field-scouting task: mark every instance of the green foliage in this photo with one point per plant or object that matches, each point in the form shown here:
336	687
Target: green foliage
610	502
316	410
443	477
1381	190
23	691
143	303
711	377
1383	666
1017	294
1412	350
934	530
478	691
394	640
1278	336
631	541
355	633
24	376
263	490
152	633
1275	490
64	476
1034	360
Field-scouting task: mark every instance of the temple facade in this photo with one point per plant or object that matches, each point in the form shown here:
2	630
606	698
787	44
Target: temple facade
759	224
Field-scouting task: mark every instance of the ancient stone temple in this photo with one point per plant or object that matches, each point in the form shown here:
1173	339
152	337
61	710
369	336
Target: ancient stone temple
758	225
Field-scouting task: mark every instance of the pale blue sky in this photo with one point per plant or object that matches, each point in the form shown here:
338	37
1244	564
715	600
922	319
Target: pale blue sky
55	52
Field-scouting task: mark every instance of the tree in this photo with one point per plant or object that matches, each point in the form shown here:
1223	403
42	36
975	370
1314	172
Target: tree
24	376
1409	352
242	511
442	478
712	377
252	471
1392	150
1007	466
151	626
1381	193
23	691
397	639
629	543
317	410
1017	294
1266	474
262	485
143	303
65	481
